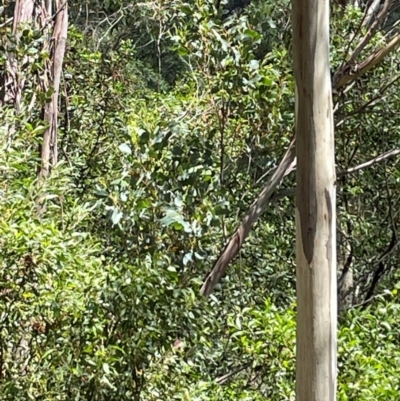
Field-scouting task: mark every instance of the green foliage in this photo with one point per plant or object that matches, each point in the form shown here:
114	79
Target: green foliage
368	353
171	118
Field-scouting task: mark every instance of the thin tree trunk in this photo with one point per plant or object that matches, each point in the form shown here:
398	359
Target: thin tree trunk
345	273
12	81
51	17
315	205
49	151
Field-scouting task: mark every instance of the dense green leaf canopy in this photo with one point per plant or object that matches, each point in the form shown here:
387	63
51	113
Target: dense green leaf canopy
172	116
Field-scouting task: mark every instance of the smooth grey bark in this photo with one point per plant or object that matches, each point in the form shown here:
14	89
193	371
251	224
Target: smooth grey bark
315	205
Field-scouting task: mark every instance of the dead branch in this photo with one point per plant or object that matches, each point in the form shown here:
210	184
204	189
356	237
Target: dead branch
350	170
226	377
255	211
371	32
369	163
367	65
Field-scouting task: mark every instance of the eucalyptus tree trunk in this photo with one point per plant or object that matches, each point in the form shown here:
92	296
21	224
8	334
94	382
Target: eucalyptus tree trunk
315	204
51	18
56	45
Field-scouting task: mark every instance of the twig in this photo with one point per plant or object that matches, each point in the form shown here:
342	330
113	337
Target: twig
366	302
369	163
7	22
372	102
384	156
222	379
393	246
110	28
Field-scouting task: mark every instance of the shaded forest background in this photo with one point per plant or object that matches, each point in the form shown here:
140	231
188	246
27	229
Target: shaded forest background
172	116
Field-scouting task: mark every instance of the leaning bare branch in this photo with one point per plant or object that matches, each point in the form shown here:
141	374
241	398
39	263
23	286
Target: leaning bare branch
255	211
367	65
267	196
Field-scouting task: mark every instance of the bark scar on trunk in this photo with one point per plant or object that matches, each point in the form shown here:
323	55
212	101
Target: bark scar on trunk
308	218
329	242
